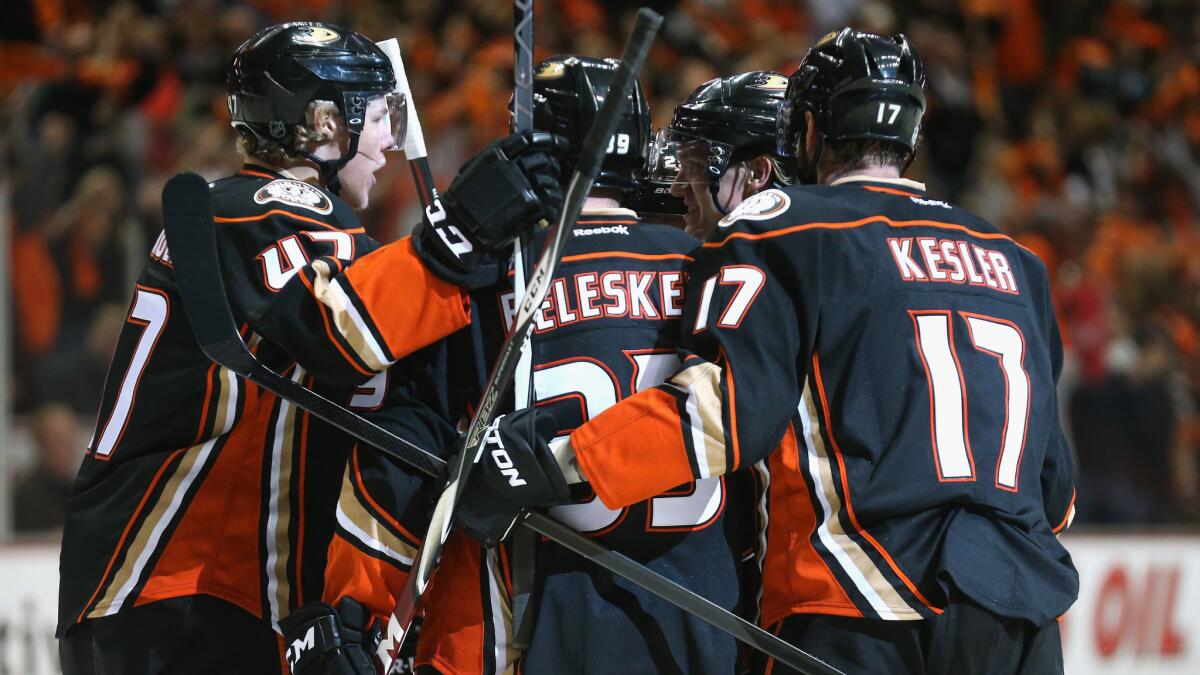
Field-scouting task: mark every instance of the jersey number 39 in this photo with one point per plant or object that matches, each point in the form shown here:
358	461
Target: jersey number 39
597	386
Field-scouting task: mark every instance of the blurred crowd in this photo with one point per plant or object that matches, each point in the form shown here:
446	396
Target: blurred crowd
1074	125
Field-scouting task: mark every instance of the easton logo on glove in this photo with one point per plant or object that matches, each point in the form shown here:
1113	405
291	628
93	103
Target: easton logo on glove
500	456
520	467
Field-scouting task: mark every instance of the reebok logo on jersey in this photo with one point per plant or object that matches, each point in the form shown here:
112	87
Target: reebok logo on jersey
929	202
294	193
611	229
952	261
762	206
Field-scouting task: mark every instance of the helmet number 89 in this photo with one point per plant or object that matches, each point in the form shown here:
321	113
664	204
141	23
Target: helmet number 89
619	143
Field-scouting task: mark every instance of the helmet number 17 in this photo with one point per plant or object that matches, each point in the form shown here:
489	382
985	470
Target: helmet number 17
892	110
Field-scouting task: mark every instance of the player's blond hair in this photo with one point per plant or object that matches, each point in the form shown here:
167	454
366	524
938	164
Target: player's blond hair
306	137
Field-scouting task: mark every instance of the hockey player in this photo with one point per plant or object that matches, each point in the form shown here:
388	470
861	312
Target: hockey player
606	330
204	506
888	361
720	147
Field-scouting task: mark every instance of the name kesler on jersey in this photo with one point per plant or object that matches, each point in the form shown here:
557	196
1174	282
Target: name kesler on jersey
762	206
294	193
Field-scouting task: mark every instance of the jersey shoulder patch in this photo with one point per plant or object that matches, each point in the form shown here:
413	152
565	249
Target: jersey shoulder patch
294	193
765	205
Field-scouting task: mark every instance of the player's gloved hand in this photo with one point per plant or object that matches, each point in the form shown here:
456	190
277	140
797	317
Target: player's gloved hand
516	470
503	191
484	513
321	640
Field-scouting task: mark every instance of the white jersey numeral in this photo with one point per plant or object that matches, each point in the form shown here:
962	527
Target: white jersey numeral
281	260
948	393
1004	341
150	310
370	394
749	281
597	388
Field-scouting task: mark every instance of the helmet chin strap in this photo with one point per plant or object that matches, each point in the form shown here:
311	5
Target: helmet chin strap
808	172
714	186
328	168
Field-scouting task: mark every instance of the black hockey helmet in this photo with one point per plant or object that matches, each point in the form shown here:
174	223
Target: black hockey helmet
568	91
723	120
276	74
857	86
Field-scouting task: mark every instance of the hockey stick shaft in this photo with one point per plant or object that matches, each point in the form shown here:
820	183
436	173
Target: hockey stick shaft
522	552
591	155
522	121
413	142
192	237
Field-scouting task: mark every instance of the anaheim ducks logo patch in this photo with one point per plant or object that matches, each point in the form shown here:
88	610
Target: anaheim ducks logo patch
551	70
770	82
762	206
315	35
294	193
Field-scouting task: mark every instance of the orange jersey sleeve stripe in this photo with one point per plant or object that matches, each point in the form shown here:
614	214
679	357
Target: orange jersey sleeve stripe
816	363
257	174
890	191
727	375
125	533
452	636
605	255
287	214
379	511
409	305
1068	516
635	450
373	582
324	312
795	576
848	225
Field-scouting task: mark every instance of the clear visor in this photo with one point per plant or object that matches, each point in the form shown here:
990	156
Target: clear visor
680	157
397	118
374	115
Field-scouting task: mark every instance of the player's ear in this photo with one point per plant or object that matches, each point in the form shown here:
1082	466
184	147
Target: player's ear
760	173
810	134
326	121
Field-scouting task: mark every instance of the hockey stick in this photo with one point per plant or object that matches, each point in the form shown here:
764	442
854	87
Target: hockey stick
191	233
591	155
522	120
414	139
523	544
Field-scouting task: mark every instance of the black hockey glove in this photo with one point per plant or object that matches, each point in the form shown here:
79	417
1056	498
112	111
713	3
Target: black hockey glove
503	191
323	641
516	470
485	514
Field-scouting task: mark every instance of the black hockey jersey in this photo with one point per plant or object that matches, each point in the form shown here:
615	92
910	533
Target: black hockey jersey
606	330
887	362
197	481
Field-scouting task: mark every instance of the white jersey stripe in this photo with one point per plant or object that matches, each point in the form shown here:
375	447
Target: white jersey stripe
866	575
